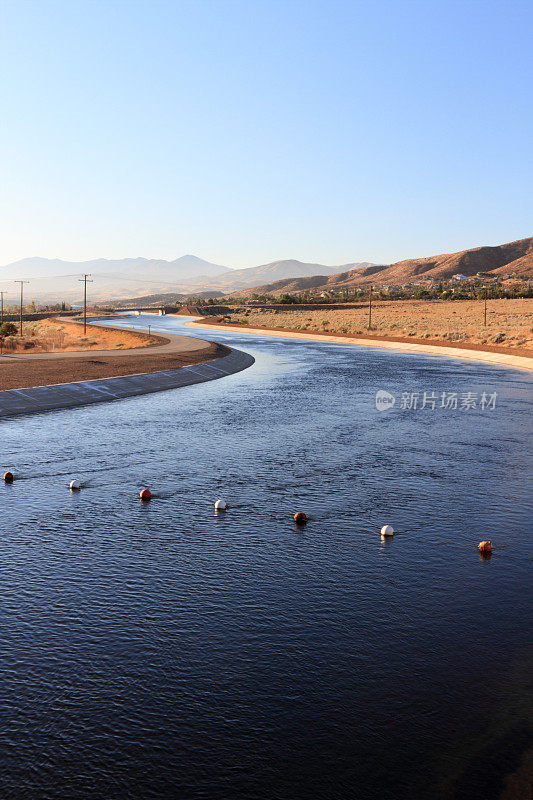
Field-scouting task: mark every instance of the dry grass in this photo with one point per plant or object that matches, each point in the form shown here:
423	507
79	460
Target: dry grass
509	322
52	335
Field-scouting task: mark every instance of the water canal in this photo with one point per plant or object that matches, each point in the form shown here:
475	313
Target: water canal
159	651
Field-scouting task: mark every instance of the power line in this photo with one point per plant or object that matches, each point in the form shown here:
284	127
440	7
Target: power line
21	290
84	280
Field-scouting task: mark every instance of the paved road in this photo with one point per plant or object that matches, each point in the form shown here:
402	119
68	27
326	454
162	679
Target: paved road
172	344
65	395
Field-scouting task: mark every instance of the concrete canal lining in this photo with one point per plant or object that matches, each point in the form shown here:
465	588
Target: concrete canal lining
67	395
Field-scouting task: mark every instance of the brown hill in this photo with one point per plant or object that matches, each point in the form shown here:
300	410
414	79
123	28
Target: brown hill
287	285
505	259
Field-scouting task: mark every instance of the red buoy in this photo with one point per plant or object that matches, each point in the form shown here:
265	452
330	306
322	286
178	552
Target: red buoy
145	494
485	547
8	477
300	518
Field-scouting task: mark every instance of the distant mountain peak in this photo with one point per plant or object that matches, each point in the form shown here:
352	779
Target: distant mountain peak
119	278
510	258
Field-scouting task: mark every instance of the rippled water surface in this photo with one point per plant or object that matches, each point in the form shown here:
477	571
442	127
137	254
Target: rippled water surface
160	651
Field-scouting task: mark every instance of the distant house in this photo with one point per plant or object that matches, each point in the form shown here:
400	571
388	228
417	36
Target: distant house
459	277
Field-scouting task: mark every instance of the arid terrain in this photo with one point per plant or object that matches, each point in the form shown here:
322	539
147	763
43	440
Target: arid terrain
18	373
509	322
512	258
23	366
55	335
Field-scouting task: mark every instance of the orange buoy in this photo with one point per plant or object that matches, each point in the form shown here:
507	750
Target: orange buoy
145	494
300	518
485	547
8	477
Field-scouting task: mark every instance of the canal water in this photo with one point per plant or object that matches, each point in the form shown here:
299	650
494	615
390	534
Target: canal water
161	651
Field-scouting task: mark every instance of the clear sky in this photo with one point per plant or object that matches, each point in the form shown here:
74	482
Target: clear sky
245	131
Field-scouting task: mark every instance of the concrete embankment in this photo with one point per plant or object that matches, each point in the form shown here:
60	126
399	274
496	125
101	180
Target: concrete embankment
485	357
66	395
154	354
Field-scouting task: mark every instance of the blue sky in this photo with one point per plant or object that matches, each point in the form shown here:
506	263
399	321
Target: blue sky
246	132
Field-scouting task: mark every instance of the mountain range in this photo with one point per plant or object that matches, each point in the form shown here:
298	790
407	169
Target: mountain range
512	258
51	280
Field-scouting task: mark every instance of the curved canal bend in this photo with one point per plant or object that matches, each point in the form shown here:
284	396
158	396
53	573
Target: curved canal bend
159	651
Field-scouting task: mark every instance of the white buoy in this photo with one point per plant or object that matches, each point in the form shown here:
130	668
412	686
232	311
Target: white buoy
220	505
74	486
387	530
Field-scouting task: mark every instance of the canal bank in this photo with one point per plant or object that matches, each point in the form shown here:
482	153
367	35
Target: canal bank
174	361
470	354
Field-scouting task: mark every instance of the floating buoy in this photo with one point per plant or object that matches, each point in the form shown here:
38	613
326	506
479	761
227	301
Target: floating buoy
387	530
485	547
74	486
300	518
145	494
220	505
8	477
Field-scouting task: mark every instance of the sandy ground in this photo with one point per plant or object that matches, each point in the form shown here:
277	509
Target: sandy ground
23	374
459	323
112	352
54	335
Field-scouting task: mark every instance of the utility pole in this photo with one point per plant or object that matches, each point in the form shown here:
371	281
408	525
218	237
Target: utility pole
370	308
84	281
21	290
2	307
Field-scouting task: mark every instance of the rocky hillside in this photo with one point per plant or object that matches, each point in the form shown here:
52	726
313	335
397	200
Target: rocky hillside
506	259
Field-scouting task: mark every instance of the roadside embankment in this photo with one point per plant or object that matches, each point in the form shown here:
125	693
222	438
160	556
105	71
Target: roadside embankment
26	370
60	335
67	395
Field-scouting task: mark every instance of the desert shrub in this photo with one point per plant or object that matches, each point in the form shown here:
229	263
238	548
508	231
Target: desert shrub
8	329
